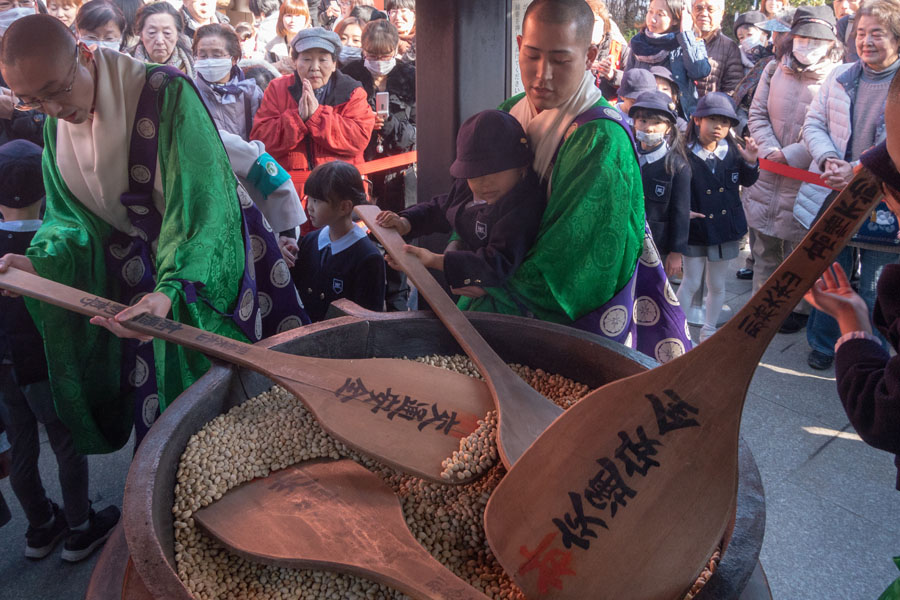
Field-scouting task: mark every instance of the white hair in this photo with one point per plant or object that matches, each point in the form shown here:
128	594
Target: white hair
721	3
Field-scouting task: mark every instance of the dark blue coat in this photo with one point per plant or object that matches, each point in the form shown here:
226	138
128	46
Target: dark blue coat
19	338
355	273
667	203
717	195
497	236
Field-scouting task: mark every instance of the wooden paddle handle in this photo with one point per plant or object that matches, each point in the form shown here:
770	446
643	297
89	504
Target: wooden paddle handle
758	321
45	290
446	310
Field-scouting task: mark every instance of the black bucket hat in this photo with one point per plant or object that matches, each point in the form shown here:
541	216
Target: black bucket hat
751	17
814	22
635	82
21	179
717	104
657	102
489	142
663	73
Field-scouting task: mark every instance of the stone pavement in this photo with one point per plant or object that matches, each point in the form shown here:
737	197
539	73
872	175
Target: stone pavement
833	516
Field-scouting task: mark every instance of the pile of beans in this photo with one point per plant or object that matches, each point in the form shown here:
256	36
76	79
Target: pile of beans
274	430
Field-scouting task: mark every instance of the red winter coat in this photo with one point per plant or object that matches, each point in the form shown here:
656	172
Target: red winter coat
339	129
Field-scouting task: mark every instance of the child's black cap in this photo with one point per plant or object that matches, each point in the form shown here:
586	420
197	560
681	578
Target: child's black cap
717	104
636	82
489	142
658	102
21	179
661	71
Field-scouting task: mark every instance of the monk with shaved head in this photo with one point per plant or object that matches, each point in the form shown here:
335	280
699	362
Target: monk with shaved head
584	269
142	206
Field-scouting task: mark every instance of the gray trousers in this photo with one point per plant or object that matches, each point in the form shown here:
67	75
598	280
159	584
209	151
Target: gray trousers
22	408
768	253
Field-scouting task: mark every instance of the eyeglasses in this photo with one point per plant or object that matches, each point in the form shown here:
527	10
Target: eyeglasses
8	4
39	102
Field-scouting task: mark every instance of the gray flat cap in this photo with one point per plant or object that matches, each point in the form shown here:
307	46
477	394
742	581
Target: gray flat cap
316	37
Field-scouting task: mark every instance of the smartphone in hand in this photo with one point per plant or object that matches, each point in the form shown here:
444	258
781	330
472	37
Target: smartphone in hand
381	103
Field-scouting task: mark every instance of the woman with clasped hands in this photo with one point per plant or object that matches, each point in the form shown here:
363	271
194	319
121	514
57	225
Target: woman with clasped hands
316	114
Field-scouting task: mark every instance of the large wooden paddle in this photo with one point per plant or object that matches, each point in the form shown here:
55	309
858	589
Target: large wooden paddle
629	492
408	415
522	412
335	516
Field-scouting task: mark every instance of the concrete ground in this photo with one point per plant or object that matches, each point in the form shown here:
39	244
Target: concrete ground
833	515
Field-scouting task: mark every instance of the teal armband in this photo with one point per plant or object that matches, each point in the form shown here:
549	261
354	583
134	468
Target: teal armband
267	175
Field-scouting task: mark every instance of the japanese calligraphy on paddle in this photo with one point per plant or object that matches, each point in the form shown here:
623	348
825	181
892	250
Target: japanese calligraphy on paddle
410	409
629	492
403	413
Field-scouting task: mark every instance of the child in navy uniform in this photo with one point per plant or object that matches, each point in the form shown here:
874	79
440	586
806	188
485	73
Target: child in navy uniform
719	166
337	260
494	206
665	174
25	397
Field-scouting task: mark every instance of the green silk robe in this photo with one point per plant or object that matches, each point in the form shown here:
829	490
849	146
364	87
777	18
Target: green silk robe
591	233
200	240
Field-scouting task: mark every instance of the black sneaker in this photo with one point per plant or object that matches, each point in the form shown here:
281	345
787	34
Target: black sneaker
80	544
39	542
794	323
819	360
744	274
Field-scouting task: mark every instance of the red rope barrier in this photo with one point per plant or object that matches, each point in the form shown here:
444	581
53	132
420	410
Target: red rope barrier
793	173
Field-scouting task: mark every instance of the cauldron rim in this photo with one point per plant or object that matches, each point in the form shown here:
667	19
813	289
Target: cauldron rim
152	562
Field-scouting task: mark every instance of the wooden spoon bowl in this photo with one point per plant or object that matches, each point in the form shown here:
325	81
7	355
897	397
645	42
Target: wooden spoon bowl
330	515
629	492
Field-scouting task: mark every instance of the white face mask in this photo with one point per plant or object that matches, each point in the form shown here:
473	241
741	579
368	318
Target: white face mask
8	17
651	139
349	53
111	44
380	67
213	70
810	51
750	42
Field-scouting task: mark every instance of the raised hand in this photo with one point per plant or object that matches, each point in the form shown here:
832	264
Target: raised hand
750	151
7	102
832	294
687	21
605	67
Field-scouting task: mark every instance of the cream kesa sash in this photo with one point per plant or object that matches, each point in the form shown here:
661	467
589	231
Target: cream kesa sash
92	157
546	129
